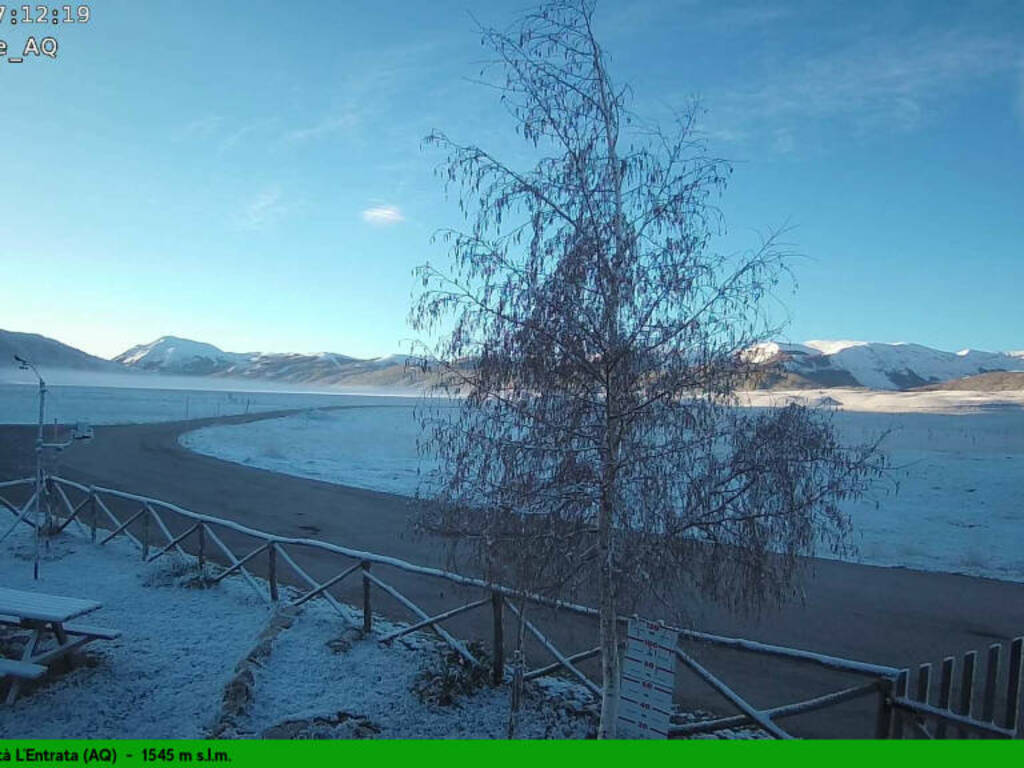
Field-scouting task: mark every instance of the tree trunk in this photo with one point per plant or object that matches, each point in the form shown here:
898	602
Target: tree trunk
609	648
606	602
614	390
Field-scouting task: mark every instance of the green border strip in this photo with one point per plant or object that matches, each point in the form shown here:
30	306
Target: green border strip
749	754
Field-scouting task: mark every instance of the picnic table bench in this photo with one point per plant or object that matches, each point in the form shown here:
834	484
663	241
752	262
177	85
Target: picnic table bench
42	615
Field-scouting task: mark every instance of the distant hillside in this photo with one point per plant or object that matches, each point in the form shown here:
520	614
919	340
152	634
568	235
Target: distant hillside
48	353
173	355
775	375
812	365
1000	381
873	365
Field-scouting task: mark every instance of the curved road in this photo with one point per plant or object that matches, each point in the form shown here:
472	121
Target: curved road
890	616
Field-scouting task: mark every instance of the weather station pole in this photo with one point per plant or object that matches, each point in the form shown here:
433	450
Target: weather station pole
25	365
82	431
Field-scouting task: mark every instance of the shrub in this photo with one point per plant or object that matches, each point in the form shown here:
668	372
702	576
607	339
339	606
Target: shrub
448	676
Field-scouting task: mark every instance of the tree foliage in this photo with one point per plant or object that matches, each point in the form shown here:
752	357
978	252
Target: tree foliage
596	342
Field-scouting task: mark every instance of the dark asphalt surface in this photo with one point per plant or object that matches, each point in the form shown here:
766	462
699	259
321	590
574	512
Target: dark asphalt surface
890	616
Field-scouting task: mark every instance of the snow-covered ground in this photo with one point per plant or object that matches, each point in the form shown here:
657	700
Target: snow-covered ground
317	669
19	403
953	402
166	675
959	504
163	677
370	447
960	471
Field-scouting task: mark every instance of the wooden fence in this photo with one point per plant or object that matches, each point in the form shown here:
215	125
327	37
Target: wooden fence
965	699
158	527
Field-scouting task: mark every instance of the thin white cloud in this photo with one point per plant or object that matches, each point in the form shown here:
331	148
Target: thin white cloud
201	128
266	208
382	215
233	139
875	86
326	127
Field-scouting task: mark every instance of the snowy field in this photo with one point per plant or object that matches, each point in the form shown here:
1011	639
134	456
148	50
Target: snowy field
959	503
959	506
370	447
880	401
19	403
166	676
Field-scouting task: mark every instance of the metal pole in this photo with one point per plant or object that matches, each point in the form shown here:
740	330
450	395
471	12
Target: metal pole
39	469
26	365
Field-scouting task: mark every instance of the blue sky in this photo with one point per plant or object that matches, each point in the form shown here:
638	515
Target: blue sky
250	173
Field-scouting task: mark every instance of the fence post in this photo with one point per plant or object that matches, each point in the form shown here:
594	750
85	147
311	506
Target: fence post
922	693
498	643
145	535
367	608
1013	684
92	515
924	683
883	720
967	689
518	679
202	547
272	570
988	703
896	726
945	691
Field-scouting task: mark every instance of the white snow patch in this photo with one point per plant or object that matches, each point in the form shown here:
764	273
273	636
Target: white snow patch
164	677
960	459
831	347
365	447
19	403
950	402
304	678
765	351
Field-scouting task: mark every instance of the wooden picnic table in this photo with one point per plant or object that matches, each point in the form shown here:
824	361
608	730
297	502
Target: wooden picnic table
42	615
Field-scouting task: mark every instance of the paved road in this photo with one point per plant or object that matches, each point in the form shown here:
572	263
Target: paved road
885	615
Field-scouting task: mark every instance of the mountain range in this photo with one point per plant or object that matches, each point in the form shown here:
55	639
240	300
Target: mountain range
785	366
49	353
172	355
874	365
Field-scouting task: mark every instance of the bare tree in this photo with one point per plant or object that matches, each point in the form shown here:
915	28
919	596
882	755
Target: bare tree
596	342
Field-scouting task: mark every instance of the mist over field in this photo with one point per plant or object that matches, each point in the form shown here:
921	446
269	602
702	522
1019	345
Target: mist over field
103	398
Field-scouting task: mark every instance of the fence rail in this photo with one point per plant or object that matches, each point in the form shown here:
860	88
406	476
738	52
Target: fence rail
898	709
991	710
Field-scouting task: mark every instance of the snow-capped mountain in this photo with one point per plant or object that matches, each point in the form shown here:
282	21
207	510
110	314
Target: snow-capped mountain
46	353
816	363
878	365
173	355
169	354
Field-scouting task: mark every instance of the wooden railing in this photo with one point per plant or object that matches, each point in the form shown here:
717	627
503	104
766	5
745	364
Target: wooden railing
957	705
145	526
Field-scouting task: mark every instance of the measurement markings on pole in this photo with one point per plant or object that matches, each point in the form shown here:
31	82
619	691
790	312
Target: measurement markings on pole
648	679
